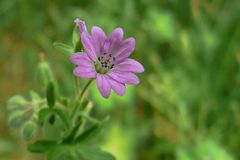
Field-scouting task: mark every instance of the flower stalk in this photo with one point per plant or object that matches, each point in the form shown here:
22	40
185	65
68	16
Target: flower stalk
79	99
77	86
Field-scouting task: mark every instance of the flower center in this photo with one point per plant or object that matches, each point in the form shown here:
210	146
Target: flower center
104	63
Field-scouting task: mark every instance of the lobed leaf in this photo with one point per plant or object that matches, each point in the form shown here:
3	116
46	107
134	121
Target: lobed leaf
88	133
92	153
62	116
41	146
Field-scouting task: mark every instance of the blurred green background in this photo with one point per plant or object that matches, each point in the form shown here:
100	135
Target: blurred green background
187	106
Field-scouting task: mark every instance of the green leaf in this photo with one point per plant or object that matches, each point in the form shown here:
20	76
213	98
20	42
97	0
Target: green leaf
62	152
88	133
92	153
62	116
50	95
41	146
53	127
42	114
51	119
71	135
74	152
64	48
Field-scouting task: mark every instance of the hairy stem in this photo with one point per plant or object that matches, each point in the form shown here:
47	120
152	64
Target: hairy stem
79	99
77	87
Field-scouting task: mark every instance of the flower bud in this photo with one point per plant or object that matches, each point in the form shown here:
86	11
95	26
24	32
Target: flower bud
16	119
16	103
45	73
29	130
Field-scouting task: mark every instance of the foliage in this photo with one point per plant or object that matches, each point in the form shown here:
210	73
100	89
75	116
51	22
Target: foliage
66	136
187	106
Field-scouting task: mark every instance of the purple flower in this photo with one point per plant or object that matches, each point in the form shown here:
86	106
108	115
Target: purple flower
106	59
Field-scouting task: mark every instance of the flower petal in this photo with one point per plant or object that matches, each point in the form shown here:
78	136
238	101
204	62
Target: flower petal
81	25
98	38
116	34
115	39
119	88
127	47
80	58
124	77
85	72
103	85
88	45
129	65
106	46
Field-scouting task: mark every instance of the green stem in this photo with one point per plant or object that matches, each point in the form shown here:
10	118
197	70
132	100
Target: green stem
76	85
79	99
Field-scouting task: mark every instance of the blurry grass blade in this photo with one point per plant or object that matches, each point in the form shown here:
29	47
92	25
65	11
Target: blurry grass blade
163	25
50	94
63	48
6	6
41	146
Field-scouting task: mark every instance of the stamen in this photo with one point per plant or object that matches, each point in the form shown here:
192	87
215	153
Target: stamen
104	63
